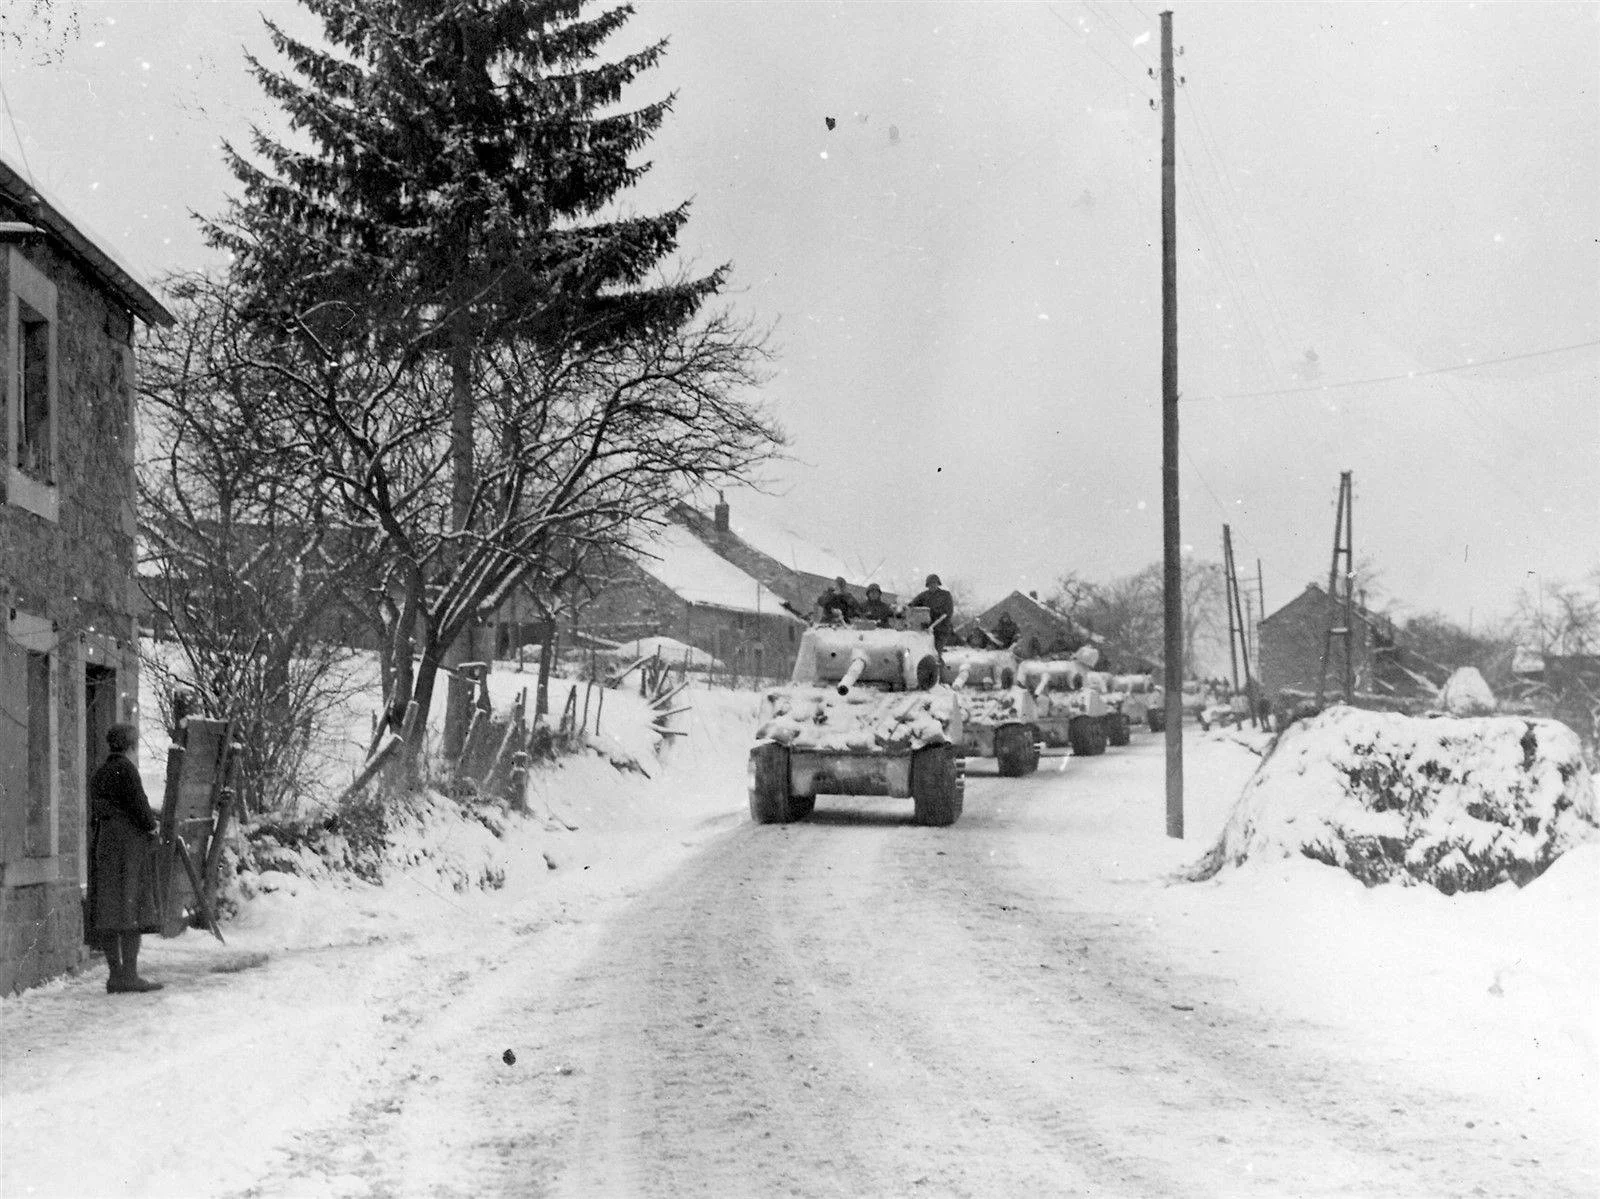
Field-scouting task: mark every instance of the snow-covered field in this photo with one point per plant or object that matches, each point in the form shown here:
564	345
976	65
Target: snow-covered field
208	1086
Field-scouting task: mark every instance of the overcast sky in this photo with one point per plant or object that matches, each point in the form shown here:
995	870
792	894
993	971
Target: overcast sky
963	274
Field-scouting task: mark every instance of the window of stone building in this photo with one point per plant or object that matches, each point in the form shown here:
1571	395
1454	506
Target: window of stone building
39	842
31	387
29	820
33	384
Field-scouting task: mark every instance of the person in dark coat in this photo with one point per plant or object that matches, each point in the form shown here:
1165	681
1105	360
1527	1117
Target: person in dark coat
837	604
122	829
875	609
941	606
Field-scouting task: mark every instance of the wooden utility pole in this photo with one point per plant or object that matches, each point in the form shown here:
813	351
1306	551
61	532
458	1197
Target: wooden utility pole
1171	544
1341	601
1238	608
1230	585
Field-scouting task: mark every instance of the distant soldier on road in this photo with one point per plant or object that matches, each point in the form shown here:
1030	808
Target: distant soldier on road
941	606
837	605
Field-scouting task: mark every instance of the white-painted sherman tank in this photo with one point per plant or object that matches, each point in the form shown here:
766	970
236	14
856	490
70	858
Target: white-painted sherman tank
997	715
1071	699
865	713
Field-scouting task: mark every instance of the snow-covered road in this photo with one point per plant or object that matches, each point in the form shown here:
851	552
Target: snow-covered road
847	1006
852	1006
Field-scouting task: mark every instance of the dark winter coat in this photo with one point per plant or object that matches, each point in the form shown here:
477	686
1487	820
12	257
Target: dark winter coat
877	611
121	875
938	602
840	602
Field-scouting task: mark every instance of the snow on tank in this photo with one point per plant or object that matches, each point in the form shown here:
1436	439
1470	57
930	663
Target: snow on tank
986	680
866	690
1064	687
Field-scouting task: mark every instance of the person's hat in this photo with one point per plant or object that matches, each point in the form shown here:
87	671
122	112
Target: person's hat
874	589
932	581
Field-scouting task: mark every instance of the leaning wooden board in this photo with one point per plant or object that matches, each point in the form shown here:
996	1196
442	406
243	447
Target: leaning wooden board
197	773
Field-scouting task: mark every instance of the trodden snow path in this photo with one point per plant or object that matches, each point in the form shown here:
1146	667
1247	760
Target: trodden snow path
1017	1005
854	1006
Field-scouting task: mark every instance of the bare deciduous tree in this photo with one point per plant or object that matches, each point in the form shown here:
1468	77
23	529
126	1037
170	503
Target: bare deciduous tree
252	581
581	440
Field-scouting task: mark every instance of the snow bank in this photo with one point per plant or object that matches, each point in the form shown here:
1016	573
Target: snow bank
1461	804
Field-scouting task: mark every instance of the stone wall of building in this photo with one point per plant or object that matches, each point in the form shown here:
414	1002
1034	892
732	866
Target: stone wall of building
1292	640
634	603
72	577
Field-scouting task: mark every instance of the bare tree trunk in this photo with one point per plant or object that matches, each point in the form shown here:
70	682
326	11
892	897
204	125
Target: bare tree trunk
546	652
458	693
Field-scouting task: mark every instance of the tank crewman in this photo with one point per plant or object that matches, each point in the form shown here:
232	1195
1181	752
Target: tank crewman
875	609
836	604
941	606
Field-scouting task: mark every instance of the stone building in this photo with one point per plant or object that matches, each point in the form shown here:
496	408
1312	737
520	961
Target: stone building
783	562
69	654
1031	629
1386	671
741	592
679	587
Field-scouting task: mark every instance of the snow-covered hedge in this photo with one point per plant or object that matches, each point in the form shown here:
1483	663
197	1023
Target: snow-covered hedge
1461	804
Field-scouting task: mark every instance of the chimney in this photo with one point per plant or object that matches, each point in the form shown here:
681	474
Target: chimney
720	512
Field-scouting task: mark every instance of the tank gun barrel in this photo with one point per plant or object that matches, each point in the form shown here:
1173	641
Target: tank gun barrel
858	664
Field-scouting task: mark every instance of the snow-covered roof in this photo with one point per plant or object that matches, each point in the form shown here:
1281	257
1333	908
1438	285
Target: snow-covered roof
790	548
683	562
50	217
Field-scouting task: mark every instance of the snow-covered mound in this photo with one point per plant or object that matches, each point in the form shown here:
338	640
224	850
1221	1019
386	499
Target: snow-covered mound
1467	694
1462	804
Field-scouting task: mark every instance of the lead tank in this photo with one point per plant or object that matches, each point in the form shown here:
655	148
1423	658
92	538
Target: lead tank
997	715
864	713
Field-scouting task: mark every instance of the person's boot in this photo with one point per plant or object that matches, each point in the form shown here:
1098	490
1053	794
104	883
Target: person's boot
128	944
113	952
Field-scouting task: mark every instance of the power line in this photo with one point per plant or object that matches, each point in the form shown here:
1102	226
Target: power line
1106	16
1438	370
21	149
1212	152
1249	327
1227	516
1083	37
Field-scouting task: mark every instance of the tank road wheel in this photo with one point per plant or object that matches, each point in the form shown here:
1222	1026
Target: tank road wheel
1015	752
1119	730
1156	718
1087	736
770	801
938	785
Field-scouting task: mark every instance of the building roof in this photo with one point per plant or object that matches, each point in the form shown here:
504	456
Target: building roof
1315	591
1039	611
789	548
677	558
49	218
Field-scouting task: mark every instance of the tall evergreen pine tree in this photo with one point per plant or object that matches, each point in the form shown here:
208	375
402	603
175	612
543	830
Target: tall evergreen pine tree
461	155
